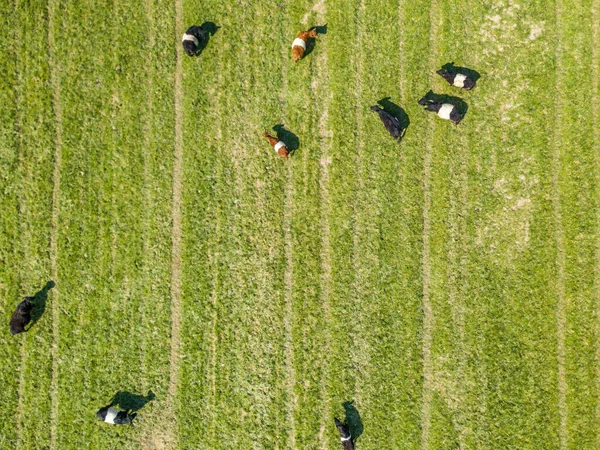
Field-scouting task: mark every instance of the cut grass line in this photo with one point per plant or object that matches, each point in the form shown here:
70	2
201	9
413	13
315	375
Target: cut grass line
57	106
427	309
596	141
213	263
19	105
318	87
289	310
147	198
360	342
288	321
561	316
176	225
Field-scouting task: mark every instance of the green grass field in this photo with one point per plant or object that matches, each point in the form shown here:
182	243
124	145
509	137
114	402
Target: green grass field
448	285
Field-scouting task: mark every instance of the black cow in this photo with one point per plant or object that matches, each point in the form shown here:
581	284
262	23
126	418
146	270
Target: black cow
457	79
112	415
345	435
391	123
444	110
21	317
193	38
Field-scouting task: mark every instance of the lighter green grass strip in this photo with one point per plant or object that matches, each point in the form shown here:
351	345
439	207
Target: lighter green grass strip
427	309
288	321
57	105
289	310
596	126
319	87
561	316
176	226
147	175
19	127
361	353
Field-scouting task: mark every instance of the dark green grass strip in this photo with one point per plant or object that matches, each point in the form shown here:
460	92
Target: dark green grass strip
386	297
389	218
153	282
101	247
9	219
26	264
36	155
342	368
596	143
235	358
493	259
202	210
578	196
301	115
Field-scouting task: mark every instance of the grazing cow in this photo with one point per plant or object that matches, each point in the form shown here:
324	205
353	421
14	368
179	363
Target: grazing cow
345	435
277	145
445	110
457	79
112	415
391	123
192	38
299	44
21	316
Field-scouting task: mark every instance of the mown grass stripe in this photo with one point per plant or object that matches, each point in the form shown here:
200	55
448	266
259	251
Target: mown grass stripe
428	318
9	179
202	233
176	236
20	108
321	99
154	283
511	265
58	142
578	201
596	141
342	371
33	133
559	233
202	229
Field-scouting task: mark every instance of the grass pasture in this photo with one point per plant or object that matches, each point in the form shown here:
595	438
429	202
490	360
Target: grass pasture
448	286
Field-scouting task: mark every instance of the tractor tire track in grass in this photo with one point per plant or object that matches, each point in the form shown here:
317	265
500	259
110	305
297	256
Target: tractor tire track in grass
428	318
176	222
288	299
19	107
319	85
559	236
58	118
9	290
596	143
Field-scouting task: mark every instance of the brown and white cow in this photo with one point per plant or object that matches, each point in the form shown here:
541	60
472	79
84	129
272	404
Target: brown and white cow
300	43
279	146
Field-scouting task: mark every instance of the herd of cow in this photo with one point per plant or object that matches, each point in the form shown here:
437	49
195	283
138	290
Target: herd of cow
194	40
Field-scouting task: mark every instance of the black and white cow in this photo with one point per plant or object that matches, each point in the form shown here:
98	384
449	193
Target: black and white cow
391	123
21	317
345	435
444	110
193	38
112	415
457	79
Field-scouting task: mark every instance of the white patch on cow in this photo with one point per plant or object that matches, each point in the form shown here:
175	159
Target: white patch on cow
346	439
445	111
459	80
278	146
111	414
299	43
189	37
